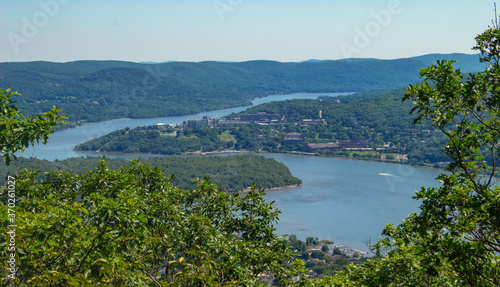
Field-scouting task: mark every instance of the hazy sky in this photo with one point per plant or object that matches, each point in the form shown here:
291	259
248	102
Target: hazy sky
237	30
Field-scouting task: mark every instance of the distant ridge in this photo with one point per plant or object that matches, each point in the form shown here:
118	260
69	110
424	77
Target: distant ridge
314	61
90	91
468	63
154	63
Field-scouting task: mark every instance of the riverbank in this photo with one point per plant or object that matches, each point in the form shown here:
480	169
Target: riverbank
441	166
278	96
246	190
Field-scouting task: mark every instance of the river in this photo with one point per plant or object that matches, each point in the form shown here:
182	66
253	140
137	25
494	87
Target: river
345	201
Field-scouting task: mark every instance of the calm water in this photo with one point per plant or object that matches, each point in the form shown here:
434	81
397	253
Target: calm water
345	201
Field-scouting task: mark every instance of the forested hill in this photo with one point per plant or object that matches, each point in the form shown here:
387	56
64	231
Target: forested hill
227	171
89	91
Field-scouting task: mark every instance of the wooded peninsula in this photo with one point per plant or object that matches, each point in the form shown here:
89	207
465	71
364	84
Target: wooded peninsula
368	125
266	173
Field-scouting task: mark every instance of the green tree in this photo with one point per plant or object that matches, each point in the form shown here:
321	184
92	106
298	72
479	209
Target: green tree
455	239
318	254
305	256
133	227
17	132
310	240
129	227
460	221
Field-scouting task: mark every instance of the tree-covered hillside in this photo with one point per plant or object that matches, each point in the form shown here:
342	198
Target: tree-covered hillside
381	121
232	173
90	91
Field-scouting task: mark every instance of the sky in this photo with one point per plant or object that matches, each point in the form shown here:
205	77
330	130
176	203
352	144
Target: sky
237	30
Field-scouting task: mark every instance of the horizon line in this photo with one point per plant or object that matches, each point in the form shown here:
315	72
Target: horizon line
243	61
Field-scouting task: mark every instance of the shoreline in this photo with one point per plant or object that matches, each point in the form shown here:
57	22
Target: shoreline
75	125
248	189
243	152
72	125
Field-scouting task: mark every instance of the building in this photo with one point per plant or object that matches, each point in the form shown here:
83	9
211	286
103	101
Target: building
232	122
328	146
161	126
354	145
203	123
294	137
261	117
192	123
310	122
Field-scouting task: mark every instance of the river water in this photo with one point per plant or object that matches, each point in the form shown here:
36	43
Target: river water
345	201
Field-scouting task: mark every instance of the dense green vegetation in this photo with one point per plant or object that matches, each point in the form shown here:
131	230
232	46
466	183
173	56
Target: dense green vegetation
90	91
380	119
131	226
232	173
455	238
17	131
134	227
149	140
320	258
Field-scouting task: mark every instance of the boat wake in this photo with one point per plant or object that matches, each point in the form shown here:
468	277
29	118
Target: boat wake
388	174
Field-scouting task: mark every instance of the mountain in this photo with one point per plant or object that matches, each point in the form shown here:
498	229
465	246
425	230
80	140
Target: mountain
468	63
90	91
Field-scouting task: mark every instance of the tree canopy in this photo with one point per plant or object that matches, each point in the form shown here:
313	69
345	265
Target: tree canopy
455	239
133	227
225	171
18	132
128	227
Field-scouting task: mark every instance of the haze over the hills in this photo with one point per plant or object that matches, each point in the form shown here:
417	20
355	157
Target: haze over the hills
223	30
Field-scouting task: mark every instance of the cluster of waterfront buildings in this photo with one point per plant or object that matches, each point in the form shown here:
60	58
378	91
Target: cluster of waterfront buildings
333	256
258	119
267	119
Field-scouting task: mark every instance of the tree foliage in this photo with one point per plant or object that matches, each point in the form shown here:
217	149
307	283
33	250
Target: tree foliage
133	227
225	171
455	239
18	132
382	121
129	227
